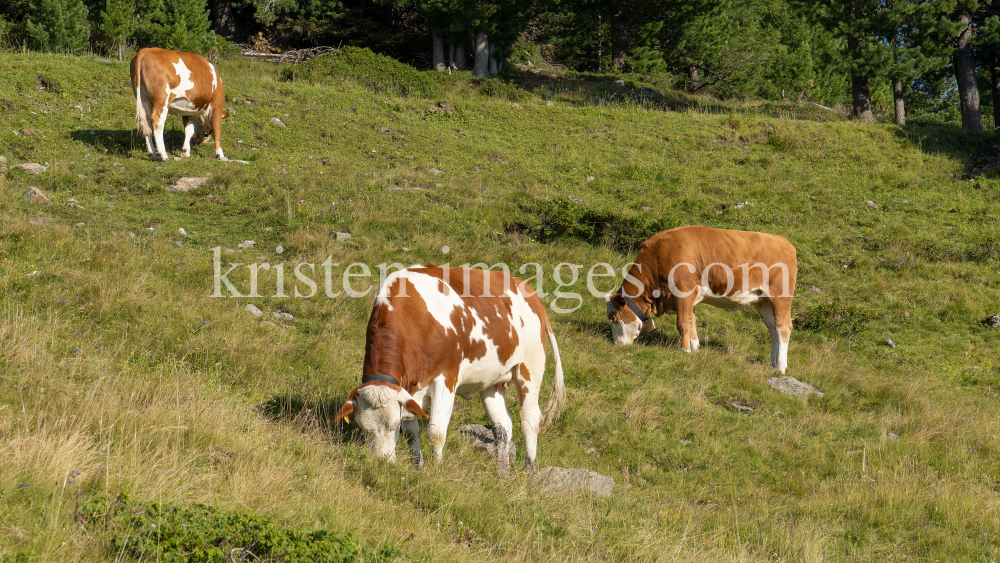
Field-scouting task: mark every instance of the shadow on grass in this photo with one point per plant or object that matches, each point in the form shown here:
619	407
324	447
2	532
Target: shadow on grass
115	142
310	415
978	152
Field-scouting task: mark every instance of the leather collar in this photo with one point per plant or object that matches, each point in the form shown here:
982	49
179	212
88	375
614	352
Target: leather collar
380	377
643	317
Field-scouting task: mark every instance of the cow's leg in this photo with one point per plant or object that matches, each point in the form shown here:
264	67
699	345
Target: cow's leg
217	136
496	409
783	329
766	309
686	324
442	403
411	428
152	126
529	386
188	133
159	119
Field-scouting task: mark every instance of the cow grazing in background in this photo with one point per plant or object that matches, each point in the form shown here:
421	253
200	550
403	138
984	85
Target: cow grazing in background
682	267
173	82
435	333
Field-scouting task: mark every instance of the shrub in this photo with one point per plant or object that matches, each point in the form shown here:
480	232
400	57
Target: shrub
198	533
565	218
375	72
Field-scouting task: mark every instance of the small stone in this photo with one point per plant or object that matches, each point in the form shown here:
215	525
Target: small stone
993	321
618	82
815	289
890	343
247	244
405	249
891	435
131	234
646	208
282	316
788	384
575	199
741	408
33	274
590	178
562	480
517	105
434	171
742	204
549	103
35	195
483	439
871	204
253	310
179	243
81	224
277	122
100	60
32	167
39	221
687	442
182	232
341	236
187	184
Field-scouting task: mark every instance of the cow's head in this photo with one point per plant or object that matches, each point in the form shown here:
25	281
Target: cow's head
379	409
626	325
203	125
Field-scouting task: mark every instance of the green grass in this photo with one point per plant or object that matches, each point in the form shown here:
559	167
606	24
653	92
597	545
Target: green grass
116	363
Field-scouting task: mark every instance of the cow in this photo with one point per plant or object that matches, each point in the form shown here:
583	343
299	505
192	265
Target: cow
682	267
437	332
174	82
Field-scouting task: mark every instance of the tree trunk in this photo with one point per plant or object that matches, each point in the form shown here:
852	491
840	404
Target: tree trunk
693	84
995	82
439	54
451	55
481	66
460	57
494	69
619	41
965	74
897	99
223	21
862	97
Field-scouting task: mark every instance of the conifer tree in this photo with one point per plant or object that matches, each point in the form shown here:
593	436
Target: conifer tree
59	26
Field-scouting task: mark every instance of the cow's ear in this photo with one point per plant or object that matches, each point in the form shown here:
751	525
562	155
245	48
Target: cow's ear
345	413
415	409
613	303
225	114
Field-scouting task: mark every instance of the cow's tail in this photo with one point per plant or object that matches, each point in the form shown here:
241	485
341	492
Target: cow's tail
557	401
141	119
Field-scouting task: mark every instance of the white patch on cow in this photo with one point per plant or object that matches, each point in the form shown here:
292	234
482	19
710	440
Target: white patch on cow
215	77
626	333
733	302
695	344
184	73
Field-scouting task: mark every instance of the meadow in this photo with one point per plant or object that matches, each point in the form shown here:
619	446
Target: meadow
123	381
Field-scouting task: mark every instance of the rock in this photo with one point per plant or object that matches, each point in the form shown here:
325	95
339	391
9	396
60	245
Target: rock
99	60
253	310
81	224
179	244
247	244
32	167
39	221
686	442
282	316
742	204
871	204
618	82
590	178
447	108
575	199
516	105
182	232
187	184
395	188
35	195
33	274
993	321
341	236
741	408
650	93
434	171
482	439
277	122
646	208
890	343
560	480
891	435
788	384
3	162
549	103
815	289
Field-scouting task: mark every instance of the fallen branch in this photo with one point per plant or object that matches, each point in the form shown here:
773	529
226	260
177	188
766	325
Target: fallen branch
819	106
294	56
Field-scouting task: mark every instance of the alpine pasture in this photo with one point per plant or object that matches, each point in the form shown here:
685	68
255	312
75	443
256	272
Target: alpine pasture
123	382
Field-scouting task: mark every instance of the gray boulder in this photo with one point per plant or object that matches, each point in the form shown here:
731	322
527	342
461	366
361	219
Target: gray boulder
790	385
562	480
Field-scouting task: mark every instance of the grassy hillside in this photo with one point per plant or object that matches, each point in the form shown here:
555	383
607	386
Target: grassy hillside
122	378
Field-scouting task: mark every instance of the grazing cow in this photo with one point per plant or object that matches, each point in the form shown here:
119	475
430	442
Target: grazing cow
679	268
439	332
184	84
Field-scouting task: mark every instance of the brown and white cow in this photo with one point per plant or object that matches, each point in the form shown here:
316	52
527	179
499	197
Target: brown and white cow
174	82
682	267
435	333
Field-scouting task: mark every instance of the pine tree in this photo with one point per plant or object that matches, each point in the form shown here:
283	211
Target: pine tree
117	24
59	26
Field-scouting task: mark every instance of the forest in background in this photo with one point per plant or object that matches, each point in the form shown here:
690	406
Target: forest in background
879	59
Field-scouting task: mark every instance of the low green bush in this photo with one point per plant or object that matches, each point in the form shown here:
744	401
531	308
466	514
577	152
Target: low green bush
197	533
834	317
496	88
375	72
564	218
